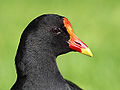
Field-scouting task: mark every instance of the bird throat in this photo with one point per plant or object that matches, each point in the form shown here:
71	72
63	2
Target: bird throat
37	67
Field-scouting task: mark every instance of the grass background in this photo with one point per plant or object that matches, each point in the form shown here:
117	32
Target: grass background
96	22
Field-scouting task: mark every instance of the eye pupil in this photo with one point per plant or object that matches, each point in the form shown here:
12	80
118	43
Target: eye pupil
56	30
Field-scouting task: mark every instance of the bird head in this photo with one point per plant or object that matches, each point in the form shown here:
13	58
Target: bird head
55	33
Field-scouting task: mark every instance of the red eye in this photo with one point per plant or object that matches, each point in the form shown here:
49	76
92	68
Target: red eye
56	30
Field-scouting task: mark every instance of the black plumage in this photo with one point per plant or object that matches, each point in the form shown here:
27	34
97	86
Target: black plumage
41	42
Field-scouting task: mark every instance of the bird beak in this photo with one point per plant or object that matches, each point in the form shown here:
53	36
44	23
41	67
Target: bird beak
74	42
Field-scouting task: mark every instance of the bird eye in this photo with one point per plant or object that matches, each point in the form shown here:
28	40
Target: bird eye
56	30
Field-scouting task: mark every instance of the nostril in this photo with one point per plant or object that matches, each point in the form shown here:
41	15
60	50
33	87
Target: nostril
77	43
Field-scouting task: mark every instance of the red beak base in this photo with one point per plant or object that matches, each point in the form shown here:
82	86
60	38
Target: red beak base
75	43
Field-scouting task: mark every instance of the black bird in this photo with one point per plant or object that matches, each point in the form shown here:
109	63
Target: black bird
42	41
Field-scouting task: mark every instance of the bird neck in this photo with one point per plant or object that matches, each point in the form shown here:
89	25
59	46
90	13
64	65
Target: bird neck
34	65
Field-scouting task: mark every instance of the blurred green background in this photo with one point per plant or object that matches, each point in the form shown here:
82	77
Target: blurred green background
96	22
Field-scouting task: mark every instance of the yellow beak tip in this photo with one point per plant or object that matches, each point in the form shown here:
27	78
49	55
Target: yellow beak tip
87	51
